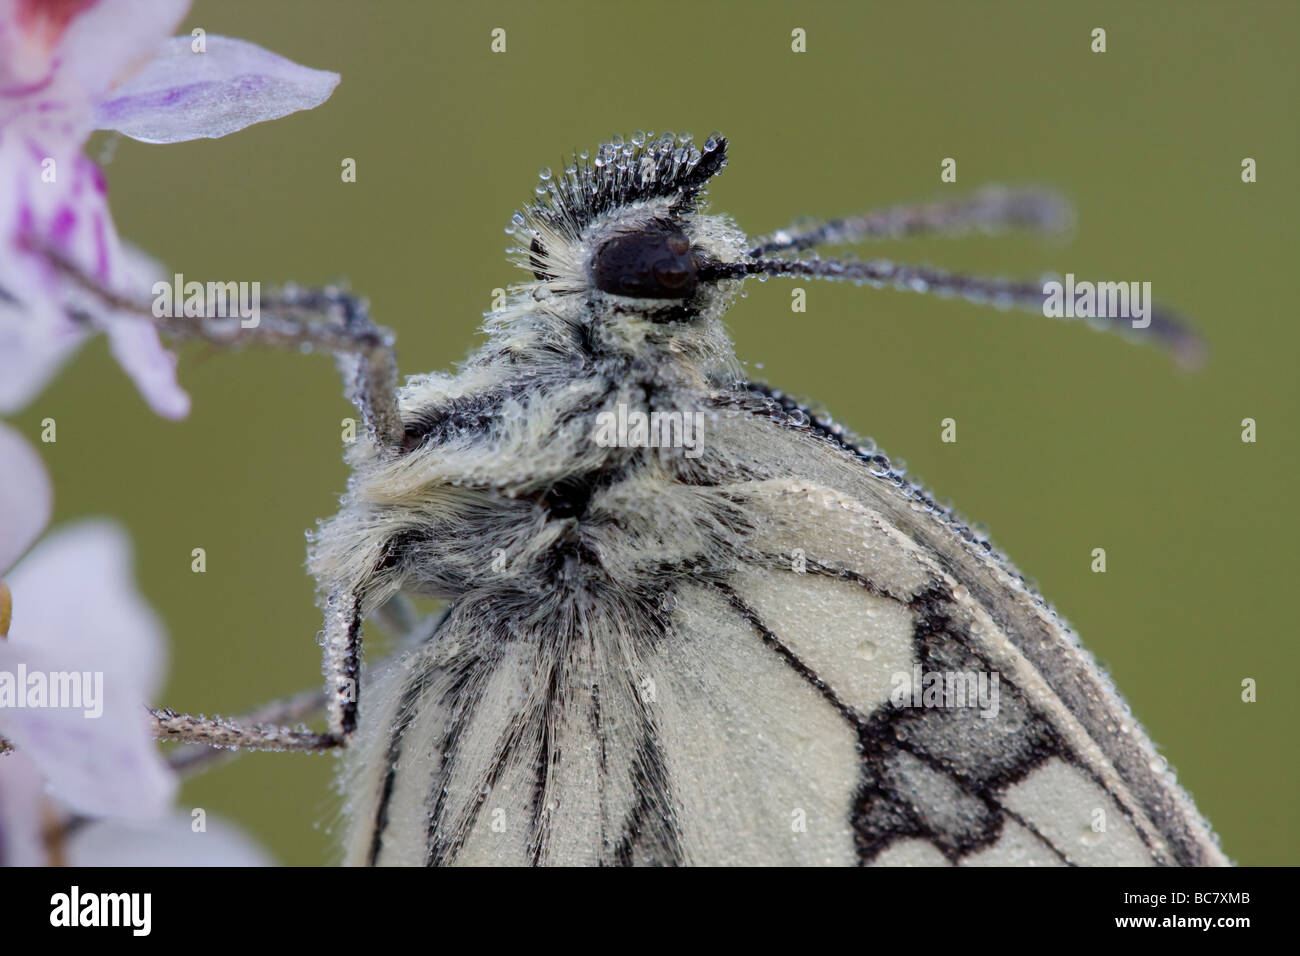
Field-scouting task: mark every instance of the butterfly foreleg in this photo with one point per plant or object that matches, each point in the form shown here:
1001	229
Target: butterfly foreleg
326	319
341	665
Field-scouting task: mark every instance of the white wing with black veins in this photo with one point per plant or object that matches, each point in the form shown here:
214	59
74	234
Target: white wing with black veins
763	700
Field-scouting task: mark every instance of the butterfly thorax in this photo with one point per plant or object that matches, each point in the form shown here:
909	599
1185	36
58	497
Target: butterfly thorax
520	474
518	482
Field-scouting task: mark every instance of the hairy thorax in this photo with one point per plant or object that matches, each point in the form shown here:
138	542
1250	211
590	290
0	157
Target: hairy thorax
526	492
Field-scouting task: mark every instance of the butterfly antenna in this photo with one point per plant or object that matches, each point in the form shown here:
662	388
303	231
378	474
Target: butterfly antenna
991	210
1158	325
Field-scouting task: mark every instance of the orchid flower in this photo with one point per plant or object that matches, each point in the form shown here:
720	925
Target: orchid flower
71	67
77	617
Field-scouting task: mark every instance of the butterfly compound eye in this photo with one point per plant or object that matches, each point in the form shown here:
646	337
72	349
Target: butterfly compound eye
652	263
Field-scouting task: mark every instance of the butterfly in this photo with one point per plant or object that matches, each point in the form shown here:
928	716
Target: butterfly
687	619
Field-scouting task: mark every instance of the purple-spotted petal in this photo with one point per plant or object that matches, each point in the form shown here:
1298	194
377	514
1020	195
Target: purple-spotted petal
25	496
183	95
59	201
57	60
55	200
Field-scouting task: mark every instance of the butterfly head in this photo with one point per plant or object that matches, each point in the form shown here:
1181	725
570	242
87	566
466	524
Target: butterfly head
624	227
624	258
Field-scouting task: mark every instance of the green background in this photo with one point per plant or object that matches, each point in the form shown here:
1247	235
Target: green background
1067	440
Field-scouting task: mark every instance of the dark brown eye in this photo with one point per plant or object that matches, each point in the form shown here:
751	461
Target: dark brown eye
653	263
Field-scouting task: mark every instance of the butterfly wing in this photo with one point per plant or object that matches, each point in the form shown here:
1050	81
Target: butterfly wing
865	588
817	665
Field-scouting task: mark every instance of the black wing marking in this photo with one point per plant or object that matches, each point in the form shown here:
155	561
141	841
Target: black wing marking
647	834
1038	632
904	750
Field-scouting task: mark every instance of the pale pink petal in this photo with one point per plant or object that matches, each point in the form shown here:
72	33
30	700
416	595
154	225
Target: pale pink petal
55	200
26	49
114	39
57	60
21	823
134	341
32	206
29	34
136	347
36	334
74	597
98	760
30	86
76	610
183	95
172	842
25	496
60	202
31	353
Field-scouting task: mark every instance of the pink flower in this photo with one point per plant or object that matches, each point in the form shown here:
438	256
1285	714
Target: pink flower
77	618
77	612
68	68
172	841
30	824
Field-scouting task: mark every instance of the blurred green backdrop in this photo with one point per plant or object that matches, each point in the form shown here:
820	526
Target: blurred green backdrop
1068	440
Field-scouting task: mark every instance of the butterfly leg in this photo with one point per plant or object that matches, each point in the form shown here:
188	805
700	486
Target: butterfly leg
399	617
328	320
341	666
288	710
325	320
